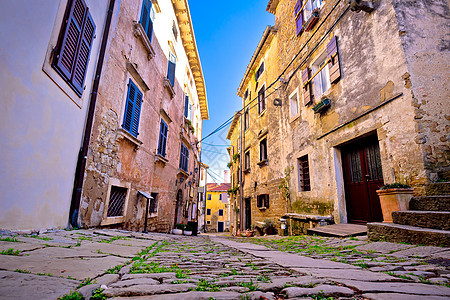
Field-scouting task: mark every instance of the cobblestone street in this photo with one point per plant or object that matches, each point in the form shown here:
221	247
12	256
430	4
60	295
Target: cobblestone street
125	265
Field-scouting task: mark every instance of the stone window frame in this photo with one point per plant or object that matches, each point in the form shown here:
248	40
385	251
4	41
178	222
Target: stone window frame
262	112
295	93
115	220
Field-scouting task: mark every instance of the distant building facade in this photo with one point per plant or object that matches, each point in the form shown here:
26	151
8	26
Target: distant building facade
217	207
354	101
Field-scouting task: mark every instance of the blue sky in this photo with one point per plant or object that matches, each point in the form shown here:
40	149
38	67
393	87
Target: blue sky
226	35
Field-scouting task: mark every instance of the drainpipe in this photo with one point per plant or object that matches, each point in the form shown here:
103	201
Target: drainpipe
82	155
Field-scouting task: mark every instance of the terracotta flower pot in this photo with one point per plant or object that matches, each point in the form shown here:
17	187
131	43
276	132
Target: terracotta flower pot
396	199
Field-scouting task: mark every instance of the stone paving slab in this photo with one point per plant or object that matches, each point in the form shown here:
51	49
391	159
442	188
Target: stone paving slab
383	247
352	274
145	289
15	285
19	246
397	296
397	287
420	251
325	290
105	248
187	296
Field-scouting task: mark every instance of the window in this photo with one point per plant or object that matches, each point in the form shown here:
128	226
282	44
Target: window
322	79
303	174
171	68
247	160
246	94
174	30
220	212
74	45
186	106
263	149
132	109
208	222
259	71
208	211
146	18
184	158
246	120
310	6
303	13
293	101
162	138
117	199
153	204
209	196
262	201
220	196
261	99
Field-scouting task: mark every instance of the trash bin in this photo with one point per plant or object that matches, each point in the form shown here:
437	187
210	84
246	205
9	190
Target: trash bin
194	226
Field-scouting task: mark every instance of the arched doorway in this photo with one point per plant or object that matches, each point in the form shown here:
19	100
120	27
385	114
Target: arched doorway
179	207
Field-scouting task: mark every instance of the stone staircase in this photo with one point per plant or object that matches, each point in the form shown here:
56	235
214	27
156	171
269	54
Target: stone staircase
426	223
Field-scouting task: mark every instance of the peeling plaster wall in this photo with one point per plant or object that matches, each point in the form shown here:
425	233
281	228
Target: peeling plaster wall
425	37
41	127
112	156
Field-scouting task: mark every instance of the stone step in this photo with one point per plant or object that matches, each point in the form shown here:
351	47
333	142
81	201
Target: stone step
430	203
438	188
424	219
397	233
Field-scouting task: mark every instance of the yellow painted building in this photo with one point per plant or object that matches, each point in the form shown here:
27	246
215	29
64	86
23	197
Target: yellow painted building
217	207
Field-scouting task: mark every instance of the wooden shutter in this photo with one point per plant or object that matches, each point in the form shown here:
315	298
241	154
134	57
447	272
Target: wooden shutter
333	65
132	109
308	95
83	54
171	73
65	60
266	201
146	20
298	14
259	201
186	106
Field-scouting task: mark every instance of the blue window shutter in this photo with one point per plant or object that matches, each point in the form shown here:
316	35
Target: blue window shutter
146	20
132	109
171	73
298	16
186	105
162	138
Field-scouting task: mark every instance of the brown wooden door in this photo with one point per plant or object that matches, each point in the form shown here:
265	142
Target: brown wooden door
248	213
362	177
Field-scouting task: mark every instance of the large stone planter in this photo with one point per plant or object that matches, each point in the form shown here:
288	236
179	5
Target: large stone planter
396	199
177	231
187	232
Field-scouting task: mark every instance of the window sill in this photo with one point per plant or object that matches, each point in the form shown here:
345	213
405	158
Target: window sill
128	136
153	215
262	208
112	220
264	162
294	118
161	159
183	172
139	32
262	113
169	87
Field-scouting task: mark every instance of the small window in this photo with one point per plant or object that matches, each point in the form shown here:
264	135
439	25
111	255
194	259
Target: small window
293	101
261	99
246	120
263	149
247	160
171	69
220	196
146	18
174	30
262	201
303	174
116	201
220	212
184	157
322	80
259	71
153	204
132	109
209	196
246	94
74	45
208	211
162	138
208	222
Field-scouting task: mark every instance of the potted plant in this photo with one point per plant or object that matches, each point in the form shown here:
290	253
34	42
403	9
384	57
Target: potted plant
268	227
187	230
178	230
394	197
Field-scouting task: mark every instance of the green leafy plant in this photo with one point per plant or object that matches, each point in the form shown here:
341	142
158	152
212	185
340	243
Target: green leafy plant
22	271
180	226
229	165
206	286
395	185
233	190
236	157
98	295
9	239
87	281
10	251
72	296
250	285
114	270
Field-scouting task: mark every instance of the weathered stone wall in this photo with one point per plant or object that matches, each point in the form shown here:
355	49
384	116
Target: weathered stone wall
114	156
423	29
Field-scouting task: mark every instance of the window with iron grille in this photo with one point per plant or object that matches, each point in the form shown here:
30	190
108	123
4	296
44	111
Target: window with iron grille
262	201
303	174
220	212
117	199
153	203
74	45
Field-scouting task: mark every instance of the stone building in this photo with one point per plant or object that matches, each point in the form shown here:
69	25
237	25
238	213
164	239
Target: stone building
46	87
217	207
354	99
144	153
